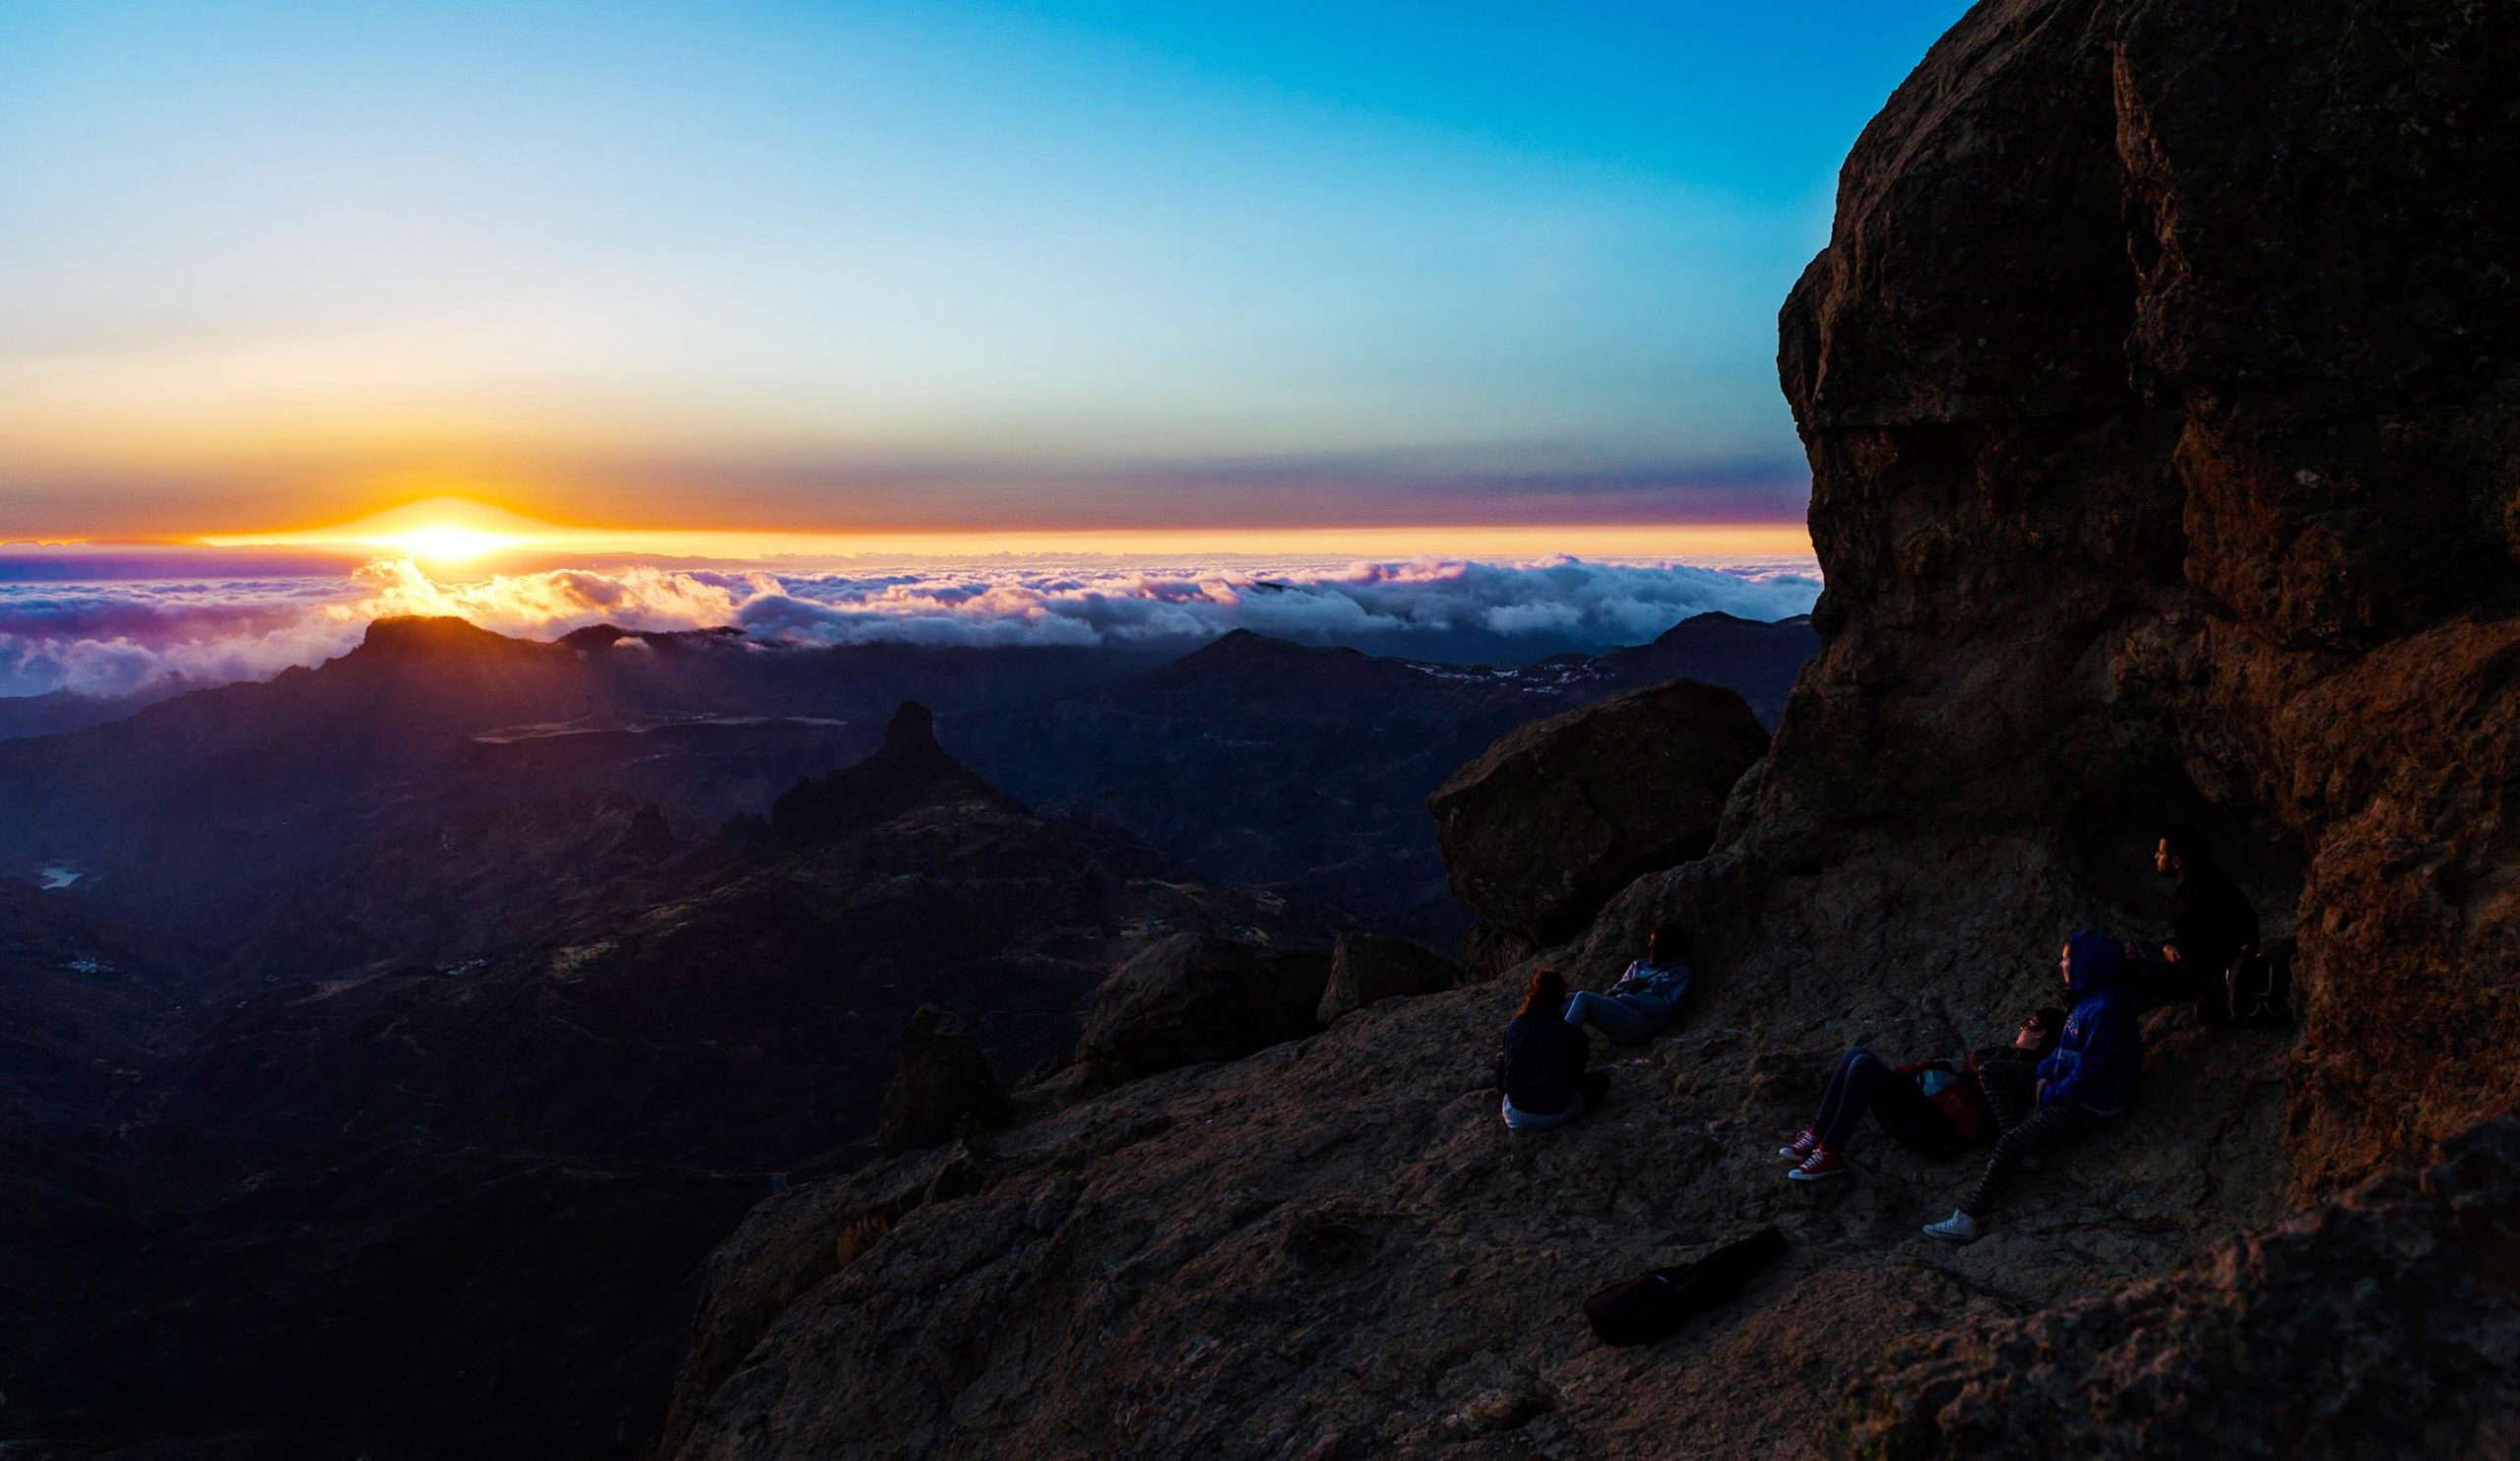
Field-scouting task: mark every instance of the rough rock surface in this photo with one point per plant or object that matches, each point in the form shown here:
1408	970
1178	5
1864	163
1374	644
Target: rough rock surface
1559	814
1198	996
1367	967
1336	1248
943	1084
2162	383
2380	1324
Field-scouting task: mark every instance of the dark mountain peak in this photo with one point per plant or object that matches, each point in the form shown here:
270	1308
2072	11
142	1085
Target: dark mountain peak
910	771
595	637
1699	623
1246	649
911	730
433	635
604	636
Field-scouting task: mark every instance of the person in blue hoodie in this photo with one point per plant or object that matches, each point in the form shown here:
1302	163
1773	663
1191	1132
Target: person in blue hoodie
2084	1084
1648	994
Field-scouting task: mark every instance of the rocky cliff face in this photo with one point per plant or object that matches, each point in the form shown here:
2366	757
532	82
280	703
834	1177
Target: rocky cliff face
2159	384
2162	388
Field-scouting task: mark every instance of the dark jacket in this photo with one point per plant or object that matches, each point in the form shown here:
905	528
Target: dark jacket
2213	921
2102	1052
1542	1065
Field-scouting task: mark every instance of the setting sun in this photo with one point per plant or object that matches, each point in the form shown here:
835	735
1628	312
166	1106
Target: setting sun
445	543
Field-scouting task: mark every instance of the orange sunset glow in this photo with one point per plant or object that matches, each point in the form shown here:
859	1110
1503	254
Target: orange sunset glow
442	533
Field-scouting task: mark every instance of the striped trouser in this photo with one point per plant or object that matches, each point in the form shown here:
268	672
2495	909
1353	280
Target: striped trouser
2047	1127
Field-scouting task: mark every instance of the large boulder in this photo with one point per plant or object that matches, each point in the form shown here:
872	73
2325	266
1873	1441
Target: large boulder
2160	383
1196	997
1367	967
1560	814
944	1083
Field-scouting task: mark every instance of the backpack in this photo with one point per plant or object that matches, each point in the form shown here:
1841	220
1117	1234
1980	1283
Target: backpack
1960	1101
1655	1303
2258	986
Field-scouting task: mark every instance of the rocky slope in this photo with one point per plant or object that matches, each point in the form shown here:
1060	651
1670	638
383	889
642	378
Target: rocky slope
1335	1250
2160	387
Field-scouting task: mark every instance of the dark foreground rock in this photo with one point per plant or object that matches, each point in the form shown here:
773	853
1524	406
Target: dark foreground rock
1334	1248
1367	967
2380	1324
944	1083
1559	815
1200	997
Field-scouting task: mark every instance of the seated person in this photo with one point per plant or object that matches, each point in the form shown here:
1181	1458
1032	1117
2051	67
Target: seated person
1542	1065
1927	1103
2084	1084
2211	925
1646	998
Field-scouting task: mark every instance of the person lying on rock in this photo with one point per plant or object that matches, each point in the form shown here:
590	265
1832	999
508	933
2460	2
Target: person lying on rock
2086	1082
1928	1105
2211	925
1542	1065
1646	998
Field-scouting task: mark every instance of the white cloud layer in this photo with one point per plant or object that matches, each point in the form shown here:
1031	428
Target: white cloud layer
122	637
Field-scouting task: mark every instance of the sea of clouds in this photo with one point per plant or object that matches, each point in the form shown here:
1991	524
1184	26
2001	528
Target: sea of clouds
130	635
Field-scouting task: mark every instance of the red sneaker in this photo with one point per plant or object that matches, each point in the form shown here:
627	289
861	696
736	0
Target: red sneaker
1802	1146
1824	1161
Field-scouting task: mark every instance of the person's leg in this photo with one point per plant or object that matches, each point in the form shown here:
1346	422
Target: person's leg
1865	1077
1654	1015
1608	1015
1912	1119
2048	1127
2012	1090
1832	1098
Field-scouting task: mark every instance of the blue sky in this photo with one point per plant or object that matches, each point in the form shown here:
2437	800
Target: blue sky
876	266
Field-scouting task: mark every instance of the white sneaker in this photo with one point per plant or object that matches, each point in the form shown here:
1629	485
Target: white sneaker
1958	1228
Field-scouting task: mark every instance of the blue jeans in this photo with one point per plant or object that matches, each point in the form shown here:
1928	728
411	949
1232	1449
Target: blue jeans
1629	1019
1865	1082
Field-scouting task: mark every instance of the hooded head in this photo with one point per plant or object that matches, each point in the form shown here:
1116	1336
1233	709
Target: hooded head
2091	961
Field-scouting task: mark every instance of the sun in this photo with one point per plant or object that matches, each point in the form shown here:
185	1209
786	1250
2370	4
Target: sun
446	543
